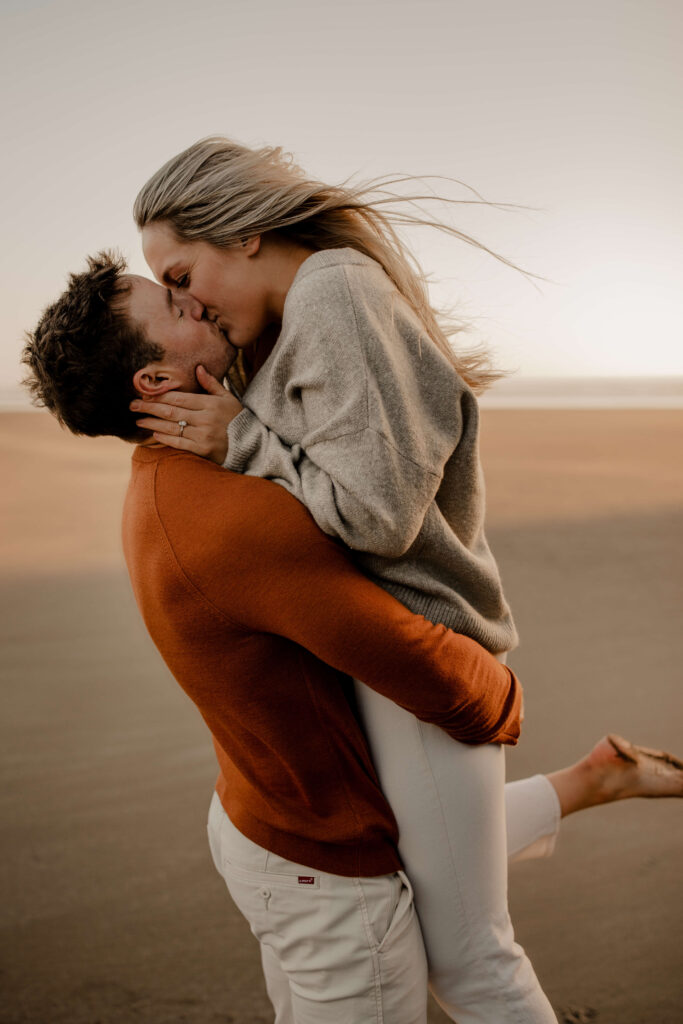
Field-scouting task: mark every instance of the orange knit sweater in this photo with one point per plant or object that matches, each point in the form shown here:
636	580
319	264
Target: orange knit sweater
262	619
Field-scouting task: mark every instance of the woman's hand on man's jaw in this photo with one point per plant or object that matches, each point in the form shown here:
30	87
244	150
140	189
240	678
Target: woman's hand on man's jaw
206	418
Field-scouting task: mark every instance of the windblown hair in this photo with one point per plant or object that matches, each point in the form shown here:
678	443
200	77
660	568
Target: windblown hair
221	192
84	352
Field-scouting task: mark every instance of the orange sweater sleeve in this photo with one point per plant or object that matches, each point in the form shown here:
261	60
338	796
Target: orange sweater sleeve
255	553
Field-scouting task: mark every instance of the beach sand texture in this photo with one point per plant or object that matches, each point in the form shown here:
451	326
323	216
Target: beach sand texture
113	913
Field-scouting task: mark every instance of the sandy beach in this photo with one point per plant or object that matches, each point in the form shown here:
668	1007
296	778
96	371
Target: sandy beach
113	913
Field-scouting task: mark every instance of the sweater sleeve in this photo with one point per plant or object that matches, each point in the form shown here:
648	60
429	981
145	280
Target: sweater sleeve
357	413
357	486
271	570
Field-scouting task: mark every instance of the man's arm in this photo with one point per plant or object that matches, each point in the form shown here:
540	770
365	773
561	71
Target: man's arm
257	555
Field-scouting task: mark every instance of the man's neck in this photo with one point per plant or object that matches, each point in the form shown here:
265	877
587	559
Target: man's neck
151	443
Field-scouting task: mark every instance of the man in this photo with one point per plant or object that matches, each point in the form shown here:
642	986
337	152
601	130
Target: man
263	620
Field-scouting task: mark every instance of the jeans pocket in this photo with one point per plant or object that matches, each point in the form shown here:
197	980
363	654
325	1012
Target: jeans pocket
404	912
381	896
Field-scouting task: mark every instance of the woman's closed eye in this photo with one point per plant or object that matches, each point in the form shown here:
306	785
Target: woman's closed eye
183	281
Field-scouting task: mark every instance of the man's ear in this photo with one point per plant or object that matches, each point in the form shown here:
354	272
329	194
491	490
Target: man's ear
151	382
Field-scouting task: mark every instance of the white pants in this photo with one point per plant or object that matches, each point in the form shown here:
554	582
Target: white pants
451	805
334	950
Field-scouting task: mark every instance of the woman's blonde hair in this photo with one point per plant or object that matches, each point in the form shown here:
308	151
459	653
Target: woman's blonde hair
221	192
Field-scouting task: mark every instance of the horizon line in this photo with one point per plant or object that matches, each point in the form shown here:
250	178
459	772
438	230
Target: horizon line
532	392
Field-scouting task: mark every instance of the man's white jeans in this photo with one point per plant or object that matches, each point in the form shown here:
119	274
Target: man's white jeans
335	950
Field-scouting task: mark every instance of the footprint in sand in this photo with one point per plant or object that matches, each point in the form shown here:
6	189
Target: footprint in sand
576	1015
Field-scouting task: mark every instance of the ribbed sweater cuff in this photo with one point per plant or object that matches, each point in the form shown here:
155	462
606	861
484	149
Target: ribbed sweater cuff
494	636
243	437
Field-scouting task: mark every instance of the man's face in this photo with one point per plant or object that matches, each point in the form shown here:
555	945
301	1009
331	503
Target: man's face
176	323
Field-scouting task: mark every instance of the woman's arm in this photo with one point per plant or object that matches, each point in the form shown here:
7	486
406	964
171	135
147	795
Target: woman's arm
357	486
356	412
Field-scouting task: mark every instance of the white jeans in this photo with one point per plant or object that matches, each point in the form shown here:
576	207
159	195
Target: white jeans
451	805
334	950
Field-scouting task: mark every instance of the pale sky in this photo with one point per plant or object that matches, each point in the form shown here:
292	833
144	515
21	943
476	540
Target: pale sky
573	109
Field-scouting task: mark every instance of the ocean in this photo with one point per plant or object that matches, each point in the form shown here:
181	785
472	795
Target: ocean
526	393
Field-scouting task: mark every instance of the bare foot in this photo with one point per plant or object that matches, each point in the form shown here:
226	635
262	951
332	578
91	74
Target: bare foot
621	769
616	770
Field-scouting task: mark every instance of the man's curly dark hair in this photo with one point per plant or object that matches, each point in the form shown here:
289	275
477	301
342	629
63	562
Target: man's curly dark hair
84	352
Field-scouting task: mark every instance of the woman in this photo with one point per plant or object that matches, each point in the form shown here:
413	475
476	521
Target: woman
365	413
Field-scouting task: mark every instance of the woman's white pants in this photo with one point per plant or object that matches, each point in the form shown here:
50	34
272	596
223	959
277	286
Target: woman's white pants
452	805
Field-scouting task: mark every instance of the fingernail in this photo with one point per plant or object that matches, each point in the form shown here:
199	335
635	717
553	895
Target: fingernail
134	405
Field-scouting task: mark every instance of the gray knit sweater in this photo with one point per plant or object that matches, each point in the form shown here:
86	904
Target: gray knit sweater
359	416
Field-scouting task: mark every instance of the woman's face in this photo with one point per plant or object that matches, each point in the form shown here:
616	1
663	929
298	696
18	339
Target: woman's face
228	283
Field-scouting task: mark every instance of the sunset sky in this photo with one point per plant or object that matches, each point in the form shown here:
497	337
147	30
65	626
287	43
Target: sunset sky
571	110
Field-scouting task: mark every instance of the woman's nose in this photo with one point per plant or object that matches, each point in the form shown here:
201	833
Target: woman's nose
190	306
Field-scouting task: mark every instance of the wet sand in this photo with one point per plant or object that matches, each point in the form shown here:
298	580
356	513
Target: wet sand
113	912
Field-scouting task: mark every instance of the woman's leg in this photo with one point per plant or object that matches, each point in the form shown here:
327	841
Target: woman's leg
613	770
616	769
449	801
532	818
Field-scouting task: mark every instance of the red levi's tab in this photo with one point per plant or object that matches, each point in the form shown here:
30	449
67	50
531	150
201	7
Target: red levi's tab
306	879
